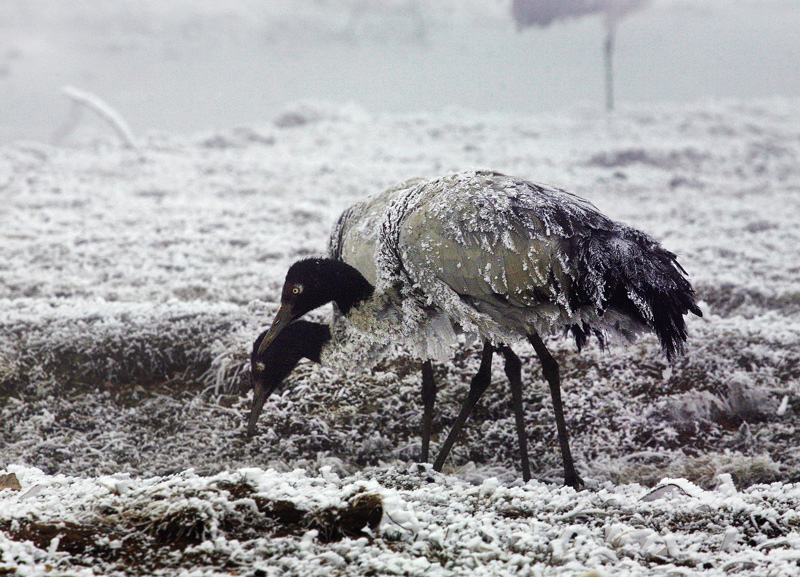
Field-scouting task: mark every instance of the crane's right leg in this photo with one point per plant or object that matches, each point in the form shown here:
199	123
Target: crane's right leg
428	401
480	382
551	374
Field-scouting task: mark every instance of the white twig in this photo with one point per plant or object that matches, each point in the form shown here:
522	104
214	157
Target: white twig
103	110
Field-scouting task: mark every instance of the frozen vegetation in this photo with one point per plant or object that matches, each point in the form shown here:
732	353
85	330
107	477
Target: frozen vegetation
133	282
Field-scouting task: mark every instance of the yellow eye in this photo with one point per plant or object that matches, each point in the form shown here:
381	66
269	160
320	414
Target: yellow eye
297	290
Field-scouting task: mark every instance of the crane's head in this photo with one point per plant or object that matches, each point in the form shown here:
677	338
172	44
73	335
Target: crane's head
270	366
264	379
311	283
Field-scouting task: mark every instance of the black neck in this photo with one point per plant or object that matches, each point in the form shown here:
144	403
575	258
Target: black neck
313	282
353	290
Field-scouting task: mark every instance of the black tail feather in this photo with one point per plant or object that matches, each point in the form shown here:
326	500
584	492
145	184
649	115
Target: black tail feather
629	272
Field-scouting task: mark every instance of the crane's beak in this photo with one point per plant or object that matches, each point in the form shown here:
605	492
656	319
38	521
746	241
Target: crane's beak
280	322
260	394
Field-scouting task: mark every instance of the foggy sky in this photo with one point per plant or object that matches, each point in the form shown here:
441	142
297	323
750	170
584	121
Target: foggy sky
163	68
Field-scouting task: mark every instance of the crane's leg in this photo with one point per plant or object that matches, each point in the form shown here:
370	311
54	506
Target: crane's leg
550	370
480	382
428	400
514	374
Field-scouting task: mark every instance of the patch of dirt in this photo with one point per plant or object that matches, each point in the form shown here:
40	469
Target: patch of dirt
142	539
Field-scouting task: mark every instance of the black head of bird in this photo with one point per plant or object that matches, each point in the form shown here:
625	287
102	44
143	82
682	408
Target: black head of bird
270	366
310	283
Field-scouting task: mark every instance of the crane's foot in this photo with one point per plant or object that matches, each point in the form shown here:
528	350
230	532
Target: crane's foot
573	480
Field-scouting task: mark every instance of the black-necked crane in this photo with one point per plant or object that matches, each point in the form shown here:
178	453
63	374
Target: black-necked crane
488	254
354	240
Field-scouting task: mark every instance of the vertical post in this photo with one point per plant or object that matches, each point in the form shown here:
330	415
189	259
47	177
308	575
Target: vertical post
609	57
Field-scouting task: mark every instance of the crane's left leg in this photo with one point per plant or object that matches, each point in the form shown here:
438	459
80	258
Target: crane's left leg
480	382
550	370
514	374
428	401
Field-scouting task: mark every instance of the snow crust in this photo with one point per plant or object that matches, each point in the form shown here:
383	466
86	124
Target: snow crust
432	524
133	282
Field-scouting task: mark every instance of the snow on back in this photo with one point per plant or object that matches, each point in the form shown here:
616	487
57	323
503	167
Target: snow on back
447	246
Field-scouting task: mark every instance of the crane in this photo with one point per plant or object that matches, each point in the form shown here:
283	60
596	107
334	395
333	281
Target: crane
353	240
491	255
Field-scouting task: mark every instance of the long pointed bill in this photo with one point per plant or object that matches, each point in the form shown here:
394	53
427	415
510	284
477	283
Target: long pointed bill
260	395
281	320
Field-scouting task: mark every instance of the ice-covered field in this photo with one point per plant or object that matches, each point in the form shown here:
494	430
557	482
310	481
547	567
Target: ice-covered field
133	281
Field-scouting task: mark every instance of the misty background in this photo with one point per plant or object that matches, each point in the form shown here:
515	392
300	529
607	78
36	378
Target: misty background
186	66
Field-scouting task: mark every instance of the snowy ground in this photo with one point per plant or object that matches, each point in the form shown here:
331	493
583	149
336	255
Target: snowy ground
132	283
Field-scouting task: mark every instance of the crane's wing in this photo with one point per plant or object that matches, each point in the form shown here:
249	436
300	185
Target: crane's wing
501	244
504	256
493	235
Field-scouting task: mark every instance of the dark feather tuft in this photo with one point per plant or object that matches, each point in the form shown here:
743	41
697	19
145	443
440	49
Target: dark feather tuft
625	270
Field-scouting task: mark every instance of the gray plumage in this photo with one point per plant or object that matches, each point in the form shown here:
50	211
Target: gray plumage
502	257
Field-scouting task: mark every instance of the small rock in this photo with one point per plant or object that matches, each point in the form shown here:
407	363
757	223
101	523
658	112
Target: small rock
10	481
